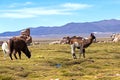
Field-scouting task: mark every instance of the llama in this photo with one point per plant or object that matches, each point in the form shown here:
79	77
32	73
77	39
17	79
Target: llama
14	45
81	44
115	37
5	49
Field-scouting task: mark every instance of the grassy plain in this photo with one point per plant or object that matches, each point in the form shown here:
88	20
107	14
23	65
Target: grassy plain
49	62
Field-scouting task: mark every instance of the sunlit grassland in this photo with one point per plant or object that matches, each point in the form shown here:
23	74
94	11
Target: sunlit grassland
102	62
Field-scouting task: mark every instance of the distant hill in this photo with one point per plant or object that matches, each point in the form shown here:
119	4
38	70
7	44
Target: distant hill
112	25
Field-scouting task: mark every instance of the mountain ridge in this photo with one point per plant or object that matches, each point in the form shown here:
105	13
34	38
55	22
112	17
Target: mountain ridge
112	25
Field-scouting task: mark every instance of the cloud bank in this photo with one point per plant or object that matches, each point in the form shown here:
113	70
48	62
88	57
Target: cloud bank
25	11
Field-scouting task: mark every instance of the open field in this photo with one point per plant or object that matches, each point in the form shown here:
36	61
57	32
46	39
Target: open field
49	62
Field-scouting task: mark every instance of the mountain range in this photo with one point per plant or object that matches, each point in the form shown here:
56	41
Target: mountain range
111	25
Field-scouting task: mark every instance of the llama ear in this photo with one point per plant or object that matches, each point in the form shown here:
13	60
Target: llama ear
92	33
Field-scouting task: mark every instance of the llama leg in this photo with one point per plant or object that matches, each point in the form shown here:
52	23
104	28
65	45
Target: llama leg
73	51
81	51
19	54
15	55
5	54
74	56
80	54
84	53
10	54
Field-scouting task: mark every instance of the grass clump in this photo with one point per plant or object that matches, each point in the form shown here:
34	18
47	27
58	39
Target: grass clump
6	78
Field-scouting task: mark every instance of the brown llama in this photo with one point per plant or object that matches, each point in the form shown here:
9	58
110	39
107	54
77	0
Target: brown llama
14	45
81	44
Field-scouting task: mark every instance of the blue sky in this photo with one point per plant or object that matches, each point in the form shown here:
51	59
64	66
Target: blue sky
19	14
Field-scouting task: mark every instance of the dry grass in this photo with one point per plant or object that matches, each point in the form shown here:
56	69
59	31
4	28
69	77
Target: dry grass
102	62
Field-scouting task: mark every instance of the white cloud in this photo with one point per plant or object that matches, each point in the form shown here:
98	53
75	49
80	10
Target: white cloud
64	9
30	12
16	15
28	3
75	6
19	4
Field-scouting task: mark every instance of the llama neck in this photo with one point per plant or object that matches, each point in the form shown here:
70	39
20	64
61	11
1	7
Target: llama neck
88	42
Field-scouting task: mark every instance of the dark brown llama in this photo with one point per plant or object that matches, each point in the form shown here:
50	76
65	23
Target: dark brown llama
17	45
